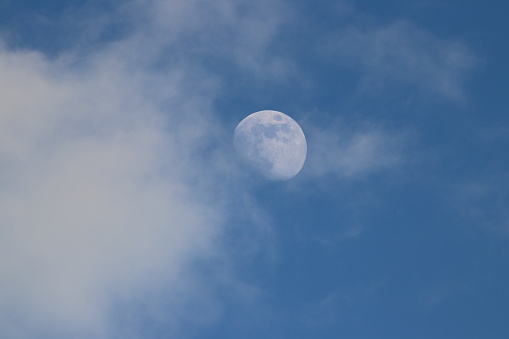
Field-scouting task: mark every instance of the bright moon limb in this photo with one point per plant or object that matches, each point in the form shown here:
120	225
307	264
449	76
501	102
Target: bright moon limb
272	144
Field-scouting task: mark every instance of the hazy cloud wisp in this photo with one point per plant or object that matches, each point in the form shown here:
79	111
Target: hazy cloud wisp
401	53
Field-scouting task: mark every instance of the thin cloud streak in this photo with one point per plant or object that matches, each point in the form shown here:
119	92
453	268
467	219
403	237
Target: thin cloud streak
351	154
402	54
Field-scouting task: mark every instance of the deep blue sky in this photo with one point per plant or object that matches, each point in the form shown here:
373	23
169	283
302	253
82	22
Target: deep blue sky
397	226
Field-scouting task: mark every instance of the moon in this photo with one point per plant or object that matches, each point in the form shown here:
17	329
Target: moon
272	144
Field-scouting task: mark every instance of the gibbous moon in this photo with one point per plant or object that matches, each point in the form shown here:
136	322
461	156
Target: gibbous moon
272	144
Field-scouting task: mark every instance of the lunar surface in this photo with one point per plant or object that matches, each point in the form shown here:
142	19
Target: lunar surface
272	144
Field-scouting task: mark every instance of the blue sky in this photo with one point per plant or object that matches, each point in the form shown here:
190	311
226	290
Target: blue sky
124	213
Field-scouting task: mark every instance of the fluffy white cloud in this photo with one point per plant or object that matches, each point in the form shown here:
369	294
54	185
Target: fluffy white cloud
100	190
109	184
106	191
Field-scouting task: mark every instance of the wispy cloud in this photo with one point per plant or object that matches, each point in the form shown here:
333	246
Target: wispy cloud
351	153
227	31
402	54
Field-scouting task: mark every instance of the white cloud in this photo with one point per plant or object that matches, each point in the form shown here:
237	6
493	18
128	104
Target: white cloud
96	193
106	191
